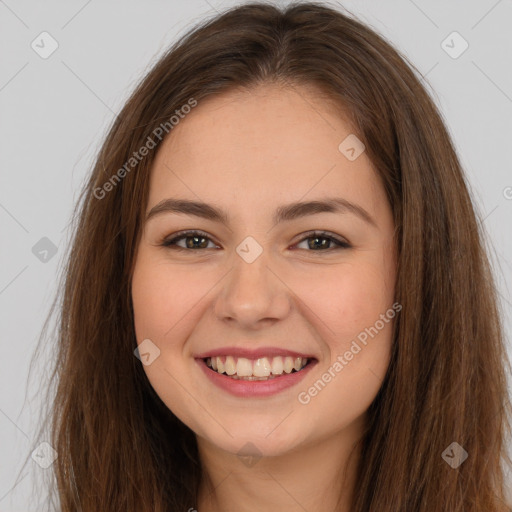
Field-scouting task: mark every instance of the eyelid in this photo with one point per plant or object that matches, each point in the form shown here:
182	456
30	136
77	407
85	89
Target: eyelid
167	242
341	242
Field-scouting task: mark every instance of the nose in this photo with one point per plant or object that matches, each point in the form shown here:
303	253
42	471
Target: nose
254	295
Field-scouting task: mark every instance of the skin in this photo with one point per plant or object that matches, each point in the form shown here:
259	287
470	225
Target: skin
250	152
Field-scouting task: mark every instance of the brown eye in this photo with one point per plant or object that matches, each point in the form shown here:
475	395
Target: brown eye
193	240
197	240
322	242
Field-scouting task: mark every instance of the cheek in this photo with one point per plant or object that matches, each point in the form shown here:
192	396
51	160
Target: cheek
161	296
356	310
163	304
350	298
150	302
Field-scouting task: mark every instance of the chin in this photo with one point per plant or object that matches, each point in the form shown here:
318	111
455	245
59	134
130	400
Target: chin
251	440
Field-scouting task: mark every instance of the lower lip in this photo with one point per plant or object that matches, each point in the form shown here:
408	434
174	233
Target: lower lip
255	388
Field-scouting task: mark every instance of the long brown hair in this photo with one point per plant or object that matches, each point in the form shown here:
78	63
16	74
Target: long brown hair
120	448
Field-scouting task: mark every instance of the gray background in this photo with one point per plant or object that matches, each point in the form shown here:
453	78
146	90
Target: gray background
55	112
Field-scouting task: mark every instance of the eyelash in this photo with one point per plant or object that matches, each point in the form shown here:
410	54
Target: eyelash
171	243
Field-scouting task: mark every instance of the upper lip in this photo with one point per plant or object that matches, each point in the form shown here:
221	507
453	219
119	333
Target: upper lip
252	353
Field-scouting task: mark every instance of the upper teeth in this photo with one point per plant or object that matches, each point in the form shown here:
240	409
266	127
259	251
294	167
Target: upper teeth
261	367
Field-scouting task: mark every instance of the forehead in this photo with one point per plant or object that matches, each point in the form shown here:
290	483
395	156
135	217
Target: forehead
270	142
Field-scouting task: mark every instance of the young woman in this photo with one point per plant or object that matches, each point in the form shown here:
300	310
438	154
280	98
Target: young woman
278	296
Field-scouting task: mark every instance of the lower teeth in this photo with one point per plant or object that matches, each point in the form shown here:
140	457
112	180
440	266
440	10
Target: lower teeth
252	377
236	377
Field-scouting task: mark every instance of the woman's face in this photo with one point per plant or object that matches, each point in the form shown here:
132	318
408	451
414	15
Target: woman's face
256	289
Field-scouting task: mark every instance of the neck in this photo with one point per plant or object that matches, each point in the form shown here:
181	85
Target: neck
318	476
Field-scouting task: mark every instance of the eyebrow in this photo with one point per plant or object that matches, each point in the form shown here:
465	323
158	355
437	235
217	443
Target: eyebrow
283	213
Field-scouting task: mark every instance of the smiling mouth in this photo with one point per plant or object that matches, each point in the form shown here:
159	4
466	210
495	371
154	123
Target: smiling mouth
264	368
